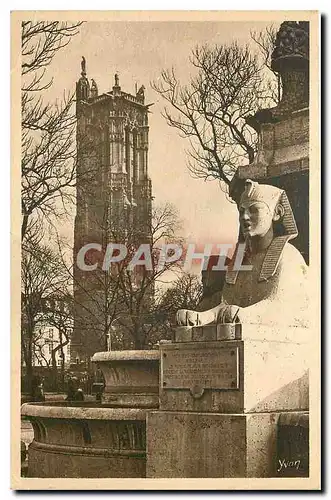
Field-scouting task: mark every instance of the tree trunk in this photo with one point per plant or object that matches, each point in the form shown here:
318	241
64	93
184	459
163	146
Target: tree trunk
27	356
29	377
139	339
54	370
24	225
62	359
62	370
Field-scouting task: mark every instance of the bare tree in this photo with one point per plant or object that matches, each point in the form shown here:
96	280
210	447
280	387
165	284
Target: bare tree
48	130
39	347
95	299
57	312
42	278
265	41
229	84
184	293
139	288
117	304
97	304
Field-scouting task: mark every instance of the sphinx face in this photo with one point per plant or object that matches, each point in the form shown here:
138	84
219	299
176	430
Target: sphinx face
255	218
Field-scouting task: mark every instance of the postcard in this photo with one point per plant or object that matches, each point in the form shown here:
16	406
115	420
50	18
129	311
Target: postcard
165	250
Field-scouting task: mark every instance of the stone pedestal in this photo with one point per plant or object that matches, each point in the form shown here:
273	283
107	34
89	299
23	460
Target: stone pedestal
188	444
293	445
221	400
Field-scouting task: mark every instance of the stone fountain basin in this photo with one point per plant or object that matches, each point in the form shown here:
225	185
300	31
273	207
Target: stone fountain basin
82	439
78	410
131	377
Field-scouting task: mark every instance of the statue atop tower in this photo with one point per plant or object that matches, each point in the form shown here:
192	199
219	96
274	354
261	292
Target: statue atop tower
83	86
83	64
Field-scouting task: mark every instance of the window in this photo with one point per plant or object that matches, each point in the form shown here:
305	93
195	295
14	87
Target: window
50	333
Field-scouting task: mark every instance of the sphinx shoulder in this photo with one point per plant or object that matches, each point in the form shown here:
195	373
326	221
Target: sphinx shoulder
292	261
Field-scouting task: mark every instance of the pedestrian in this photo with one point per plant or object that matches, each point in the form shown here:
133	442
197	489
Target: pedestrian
79	396
37	390
71	390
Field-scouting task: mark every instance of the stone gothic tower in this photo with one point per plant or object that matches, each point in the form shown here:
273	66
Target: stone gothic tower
114	196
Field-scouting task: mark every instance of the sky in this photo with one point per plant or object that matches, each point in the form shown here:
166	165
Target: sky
138	52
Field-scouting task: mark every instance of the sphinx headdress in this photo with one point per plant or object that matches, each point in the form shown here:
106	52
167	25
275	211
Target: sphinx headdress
271	196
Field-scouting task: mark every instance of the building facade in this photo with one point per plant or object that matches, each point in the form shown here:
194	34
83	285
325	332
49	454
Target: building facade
48	341
114	198
52	333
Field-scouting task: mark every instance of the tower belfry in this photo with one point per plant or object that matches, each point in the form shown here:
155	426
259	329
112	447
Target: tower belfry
114	192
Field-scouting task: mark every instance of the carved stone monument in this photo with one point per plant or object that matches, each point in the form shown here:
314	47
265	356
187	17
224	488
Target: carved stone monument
283	153
235	370
234	381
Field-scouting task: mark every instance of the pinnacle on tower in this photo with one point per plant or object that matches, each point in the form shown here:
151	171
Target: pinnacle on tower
94	88
82	86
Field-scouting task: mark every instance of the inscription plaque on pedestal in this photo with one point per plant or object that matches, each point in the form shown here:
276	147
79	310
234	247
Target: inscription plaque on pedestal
205	368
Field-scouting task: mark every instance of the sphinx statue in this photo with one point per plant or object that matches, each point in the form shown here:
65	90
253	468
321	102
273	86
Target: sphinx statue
274	290
212	283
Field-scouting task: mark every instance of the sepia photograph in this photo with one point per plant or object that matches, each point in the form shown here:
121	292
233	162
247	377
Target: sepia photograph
165	250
